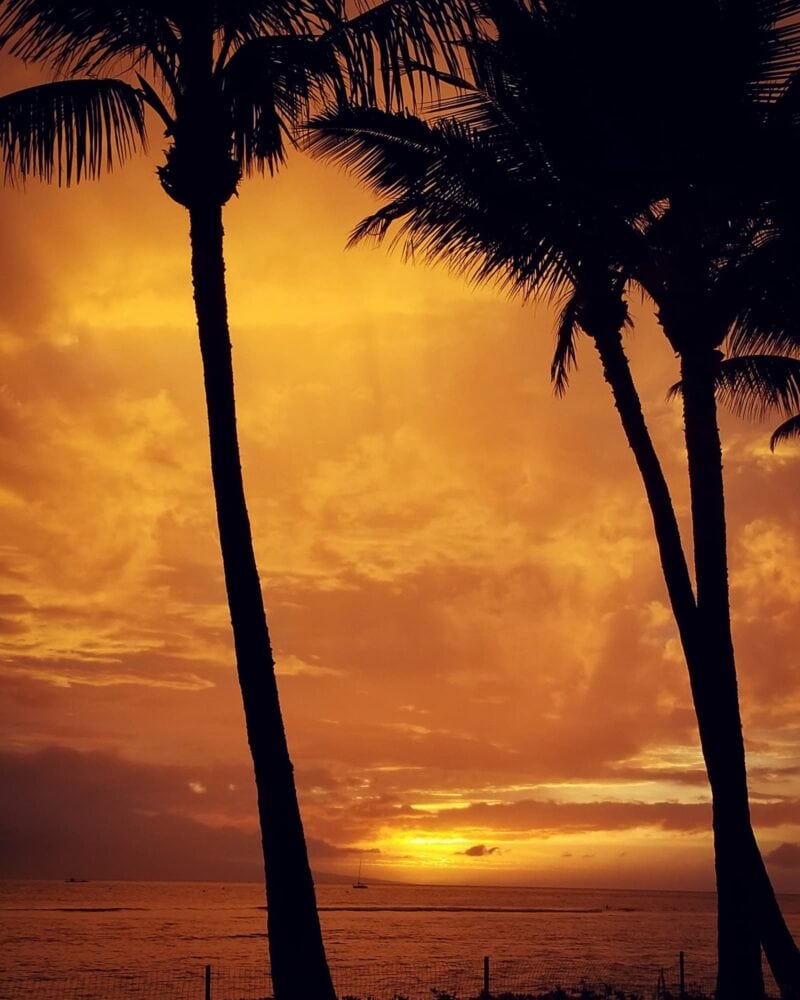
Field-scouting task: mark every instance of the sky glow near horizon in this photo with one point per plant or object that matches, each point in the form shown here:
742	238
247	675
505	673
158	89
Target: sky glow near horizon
480	677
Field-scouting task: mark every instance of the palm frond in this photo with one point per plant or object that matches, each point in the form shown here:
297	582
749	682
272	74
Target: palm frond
390	46
774	26
151	98
390	153
84	37
270	84
763	294
565	357
374	228
787	431
762	328
242	21
71	129
754	386
454	195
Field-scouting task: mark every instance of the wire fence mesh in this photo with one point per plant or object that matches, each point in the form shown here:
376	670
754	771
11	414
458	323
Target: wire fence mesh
373	981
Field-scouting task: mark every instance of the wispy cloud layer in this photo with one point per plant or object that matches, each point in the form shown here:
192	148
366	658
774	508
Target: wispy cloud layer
478	668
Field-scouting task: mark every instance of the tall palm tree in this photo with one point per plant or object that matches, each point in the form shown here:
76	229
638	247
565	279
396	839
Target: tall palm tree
709	253
540	175
230	81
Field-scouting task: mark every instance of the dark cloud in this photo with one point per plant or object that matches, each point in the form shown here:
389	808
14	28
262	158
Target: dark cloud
94	815
542	818
479	851
323	849
785	856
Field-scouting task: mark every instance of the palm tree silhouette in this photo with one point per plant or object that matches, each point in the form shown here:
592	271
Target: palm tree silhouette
542	176
714	274
230	81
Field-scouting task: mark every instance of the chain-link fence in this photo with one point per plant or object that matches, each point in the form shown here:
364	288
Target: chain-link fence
485	978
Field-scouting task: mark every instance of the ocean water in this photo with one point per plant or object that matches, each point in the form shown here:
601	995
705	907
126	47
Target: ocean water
140	939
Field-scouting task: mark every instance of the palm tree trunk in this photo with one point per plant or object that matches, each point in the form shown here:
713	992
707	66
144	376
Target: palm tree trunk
716	692
781	950
780	947
298	964
617	374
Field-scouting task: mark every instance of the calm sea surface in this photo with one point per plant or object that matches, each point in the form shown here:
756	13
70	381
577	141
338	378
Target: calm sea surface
81	939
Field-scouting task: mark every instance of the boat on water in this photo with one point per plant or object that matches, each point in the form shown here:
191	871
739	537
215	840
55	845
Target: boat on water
358	884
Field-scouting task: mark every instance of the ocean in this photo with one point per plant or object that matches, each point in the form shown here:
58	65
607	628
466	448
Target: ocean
137	940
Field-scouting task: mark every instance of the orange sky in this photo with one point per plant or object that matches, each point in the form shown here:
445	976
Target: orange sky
479	674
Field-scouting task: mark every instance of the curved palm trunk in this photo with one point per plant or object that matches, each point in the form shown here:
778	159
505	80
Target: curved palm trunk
617	374
748	907
780	948
297	956
715	687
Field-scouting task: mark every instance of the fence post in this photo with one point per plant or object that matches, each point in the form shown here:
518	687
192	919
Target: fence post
208	982
486	976
683	976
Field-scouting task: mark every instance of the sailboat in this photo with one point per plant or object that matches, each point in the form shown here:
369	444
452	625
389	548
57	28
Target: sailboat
358	884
